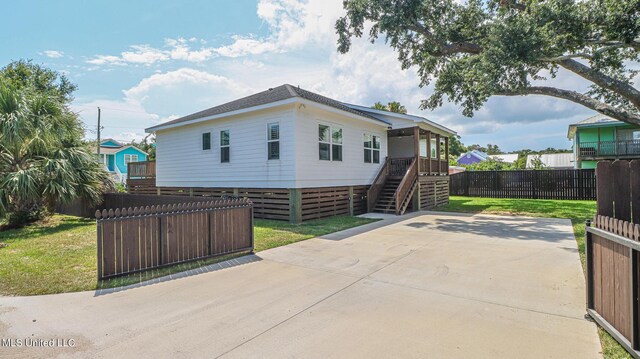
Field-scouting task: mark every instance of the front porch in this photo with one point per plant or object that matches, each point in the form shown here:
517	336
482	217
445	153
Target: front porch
431	150
414	175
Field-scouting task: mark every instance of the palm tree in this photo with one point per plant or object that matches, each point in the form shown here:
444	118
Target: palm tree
393	106
42	158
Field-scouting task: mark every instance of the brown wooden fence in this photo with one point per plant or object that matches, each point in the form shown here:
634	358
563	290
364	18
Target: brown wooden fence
619	189
612	252
136	239
532	184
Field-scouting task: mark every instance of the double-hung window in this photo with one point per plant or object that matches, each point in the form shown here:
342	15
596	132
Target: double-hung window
371	148
330	143
225	144
206	141
130	158
273	141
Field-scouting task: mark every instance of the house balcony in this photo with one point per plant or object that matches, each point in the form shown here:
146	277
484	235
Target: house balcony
609	150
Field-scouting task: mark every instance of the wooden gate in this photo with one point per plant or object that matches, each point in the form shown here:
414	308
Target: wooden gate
136	239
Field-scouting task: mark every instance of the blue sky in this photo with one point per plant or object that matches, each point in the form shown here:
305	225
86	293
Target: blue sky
145	62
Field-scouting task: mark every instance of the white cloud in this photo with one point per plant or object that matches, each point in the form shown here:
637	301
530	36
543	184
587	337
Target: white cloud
143	54
173	49
159	98
180	80
106	59
292	24
54	54
243	46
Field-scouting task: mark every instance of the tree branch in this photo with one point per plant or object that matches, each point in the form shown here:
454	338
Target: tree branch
584	100
620	87
444	48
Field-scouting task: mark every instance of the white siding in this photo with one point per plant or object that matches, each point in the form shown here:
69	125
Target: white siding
352	170
181	162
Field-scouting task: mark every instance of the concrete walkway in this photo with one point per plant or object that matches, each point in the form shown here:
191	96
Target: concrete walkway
434	285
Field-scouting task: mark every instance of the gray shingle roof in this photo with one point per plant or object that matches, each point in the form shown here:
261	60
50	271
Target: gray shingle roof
275	94
599	118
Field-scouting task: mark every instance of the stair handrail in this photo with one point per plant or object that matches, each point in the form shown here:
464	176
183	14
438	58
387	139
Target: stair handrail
376	187
405	186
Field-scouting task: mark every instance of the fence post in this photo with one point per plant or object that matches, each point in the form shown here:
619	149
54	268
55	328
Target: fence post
295	205
351	200
634	303
588	254
99	244
252	230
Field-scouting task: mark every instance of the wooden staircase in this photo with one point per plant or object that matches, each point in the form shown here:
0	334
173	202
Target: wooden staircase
393	188
386	202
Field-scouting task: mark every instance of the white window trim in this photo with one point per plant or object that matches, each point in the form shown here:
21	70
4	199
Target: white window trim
224	146
330	142
131	157
371	149
268	132
202	141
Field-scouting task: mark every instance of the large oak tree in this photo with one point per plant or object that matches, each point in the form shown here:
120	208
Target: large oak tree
479	49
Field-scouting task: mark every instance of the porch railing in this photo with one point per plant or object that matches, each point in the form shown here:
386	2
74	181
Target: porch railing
609	148
398	166
378	184
433	165
143	169
406	187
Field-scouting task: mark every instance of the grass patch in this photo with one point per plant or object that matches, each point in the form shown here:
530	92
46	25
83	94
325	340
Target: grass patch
577	211
59	254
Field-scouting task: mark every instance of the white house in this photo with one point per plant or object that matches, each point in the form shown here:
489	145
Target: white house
552	160
293	139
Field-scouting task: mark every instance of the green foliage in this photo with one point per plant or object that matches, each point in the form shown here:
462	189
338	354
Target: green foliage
490	165
392	106
120	188
477	49
148	145
490	149
43	160
537	164
25	75
456	148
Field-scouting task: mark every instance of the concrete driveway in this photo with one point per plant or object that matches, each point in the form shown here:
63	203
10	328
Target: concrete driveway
433	285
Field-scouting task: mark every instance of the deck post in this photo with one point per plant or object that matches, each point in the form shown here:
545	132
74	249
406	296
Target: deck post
351	212
428	152
438	150
446	152
295	205
416	145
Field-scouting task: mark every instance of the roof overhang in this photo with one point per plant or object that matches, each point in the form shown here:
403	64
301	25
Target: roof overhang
289	101
344	113
161	127
120	149
414	118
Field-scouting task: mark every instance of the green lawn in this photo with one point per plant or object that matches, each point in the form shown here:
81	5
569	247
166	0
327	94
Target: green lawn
577	211
59	255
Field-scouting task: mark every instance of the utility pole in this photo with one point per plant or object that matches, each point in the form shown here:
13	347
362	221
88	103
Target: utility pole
99	128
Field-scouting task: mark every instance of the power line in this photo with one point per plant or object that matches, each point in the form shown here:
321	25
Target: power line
115	109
